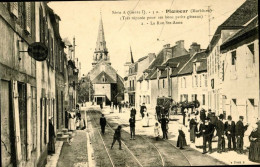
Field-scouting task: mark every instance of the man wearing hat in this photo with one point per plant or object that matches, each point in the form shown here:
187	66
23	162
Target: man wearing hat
220	133
240	131
207	132
202	115
230	128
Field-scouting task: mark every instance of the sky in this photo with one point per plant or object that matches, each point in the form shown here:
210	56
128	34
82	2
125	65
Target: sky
80	19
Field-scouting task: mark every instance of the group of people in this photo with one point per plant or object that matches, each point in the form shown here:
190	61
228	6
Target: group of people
210	126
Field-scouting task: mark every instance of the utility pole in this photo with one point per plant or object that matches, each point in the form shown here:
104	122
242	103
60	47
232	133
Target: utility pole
209	25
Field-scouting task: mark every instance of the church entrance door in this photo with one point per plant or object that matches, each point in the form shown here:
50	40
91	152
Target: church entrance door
99	100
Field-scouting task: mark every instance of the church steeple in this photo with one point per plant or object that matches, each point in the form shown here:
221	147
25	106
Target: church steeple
132	59
101	52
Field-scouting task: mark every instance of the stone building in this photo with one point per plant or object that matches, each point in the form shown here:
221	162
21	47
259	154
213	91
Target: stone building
31	91
240	73
217	99
107	84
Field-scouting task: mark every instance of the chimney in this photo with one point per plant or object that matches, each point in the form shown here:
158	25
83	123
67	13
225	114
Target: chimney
151	57
194	47
167	45
180	43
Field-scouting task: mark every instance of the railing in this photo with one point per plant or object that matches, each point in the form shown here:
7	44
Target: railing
131	88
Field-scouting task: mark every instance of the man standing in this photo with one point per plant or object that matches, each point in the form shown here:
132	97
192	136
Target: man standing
133	112
132	127
202	115
230	132
240	131
164	123
220	133
103	123
120	107
117	137
207	132
183	111
142	110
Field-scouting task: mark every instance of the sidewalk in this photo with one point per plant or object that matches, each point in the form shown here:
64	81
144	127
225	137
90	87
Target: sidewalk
53	159
75	155
230	158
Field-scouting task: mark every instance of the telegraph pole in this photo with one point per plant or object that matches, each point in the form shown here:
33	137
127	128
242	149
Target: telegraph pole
209	25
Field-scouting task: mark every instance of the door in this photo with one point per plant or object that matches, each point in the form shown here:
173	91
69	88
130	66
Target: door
99	100
7	126
23	118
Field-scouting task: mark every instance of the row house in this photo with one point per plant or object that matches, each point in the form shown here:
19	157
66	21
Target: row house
134	72
192	79
240	78
217	63
155	81
31	91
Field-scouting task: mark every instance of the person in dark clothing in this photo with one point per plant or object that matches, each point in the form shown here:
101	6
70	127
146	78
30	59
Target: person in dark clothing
202	115
133	112
120	107
230	129
183	111
254	149
142	110
193	125
78	114
117	137
207	133
77	106
103	123
220	133
132	127
164	123
239	132
66	118
157	110
51	144
181	142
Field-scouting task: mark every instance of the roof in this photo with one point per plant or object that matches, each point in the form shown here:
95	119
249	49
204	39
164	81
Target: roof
179	62
161	67
140	79
188	67
247	11
164	74
250	29
98	78
142	58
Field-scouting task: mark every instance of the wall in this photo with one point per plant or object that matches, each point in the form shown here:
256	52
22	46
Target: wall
103	89
241	83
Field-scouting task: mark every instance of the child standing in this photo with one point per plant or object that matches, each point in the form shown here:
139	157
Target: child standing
156	131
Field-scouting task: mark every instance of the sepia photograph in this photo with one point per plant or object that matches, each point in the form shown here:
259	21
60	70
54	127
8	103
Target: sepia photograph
120	83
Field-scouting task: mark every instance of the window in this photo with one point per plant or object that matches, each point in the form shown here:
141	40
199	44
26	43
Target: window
200	80
206	81
196	80
252	50
184	80
203	99
163	83
158	82
234	57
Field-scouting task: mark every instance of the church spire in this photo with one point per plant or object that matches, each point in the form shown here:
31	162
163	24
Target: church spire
101	42
101	52
132	59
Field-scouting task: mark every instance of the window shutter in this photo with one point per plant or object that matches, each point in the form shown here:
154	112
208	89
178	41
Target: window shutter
28	23
16	121
14	8
29	121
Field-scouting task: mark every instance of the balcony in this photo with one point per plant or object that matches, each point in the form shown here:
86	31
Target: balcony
131	89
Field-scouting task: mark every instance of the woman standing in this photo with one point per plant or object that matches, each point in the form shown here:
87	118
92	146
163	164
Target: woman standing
254	138
193	125
51	144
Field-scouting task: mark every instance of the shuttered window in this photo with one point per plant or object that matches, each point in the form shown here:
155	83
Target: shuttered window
28	23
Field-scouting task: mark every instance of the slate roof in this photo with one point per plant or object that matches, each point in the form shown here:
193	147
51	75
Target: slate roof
247	11
140	79
163	74
98	78
188	67
250	29
142	58
179	62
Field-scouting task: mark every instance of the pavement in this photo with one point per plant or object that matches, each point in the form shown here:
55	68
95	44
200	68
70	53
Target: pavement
53	159
229	158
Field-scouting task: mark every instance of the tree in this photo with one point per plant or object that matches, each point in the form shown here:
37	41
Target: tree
85	90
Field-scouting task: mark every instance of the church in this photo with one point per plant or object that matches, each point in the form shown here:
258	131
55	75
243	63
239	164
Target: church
107	84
